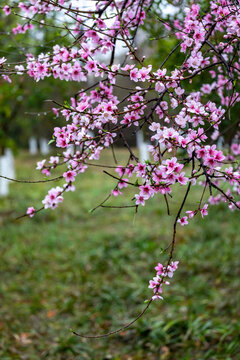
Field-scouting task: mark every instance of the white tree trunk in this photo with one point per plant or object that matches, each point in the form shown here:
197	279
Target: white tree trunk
10	160
44	148
220	143
33	148
4	170
142	147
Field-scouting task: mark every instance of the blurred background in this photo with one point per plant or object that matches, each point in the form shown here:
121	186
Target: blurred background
73	269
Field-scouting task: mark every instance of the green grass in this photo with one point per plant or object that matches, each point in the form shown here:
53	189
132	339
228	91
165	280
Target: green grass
70	269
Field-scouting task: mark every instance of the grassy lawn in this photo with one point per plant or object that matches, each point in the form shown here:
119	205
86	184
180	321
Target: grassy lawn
72	269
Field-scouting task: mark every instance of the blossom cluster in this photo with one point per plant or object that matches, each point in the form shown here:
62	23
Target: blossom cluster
162	273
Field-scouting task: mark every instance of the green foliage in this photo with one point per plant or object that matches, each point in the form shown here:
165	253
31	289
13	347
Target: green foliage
25	106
